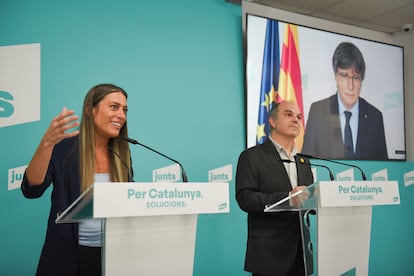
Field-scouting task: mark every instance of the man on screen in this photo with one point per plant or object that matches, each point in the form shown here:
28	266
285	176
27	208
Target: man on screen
345	125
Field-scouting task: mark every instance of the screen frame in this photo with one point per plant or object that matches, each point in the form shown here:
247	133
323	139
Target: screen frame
281	18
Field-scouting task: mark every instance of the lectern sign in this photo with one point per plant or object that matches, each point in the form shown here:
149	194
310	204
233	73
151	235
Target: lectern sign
159	198
358	193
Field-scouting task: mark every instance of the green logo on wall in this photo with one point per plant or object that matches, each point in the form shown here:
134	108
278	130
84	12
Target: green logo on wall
6	107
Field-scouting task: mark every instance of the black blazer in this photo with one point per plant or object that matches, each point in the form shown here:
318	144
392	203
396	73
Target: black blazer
60	250
323	137
273	238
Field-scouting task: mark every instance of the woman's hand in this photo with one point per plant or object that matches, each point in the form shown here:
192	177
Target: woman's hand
60	127
56	132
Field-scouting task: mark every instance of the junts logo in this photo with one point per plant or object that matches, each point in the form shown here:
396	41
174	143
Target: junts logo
15	177
19	84
166	174
6	104
409	178
222	174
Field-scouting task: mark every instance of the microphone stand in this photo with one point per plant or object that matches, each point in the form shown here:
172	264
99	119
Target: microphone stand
135	142
130	173
331	176
364	177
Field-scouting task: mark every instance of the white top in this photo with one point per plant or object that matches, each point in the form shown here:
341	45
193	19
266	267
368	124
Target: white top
90	231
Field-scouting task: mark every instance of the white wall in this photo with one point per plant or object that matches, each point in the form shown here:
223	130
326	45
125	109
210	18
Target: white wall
407	40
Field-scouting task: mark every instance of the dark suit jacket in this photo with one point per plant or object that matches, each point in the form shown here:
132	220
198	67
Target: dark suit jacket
60	250
323	136
273	238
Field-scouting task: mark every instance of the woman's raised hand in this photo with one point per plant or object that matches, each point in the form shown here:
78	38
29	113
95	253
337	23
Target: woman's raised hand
61	127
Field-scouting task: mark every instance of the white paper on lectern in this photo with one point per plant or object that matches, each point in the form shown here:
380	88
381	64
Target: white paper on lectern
289	197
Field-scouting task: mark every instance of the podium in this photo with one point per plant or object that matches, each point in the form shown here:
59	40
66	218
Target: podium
335	218
149	228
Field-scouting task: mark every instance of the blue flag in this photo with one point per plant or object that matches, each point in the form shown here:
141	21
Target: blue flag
270	79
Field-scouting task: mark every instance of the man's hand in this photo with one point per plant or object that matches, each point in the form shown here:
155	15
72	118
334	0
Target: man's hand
301	197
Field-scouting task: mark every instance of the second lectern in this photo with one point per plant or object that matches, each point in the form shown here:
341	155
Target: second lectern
335	219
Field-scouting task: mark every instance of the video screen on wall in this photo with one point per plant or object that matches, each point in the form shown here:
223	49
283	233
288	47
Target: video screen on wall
350	90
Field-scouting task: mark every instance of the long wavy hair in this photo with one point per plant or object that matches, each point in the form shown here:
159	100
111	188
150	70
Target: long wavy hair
118	149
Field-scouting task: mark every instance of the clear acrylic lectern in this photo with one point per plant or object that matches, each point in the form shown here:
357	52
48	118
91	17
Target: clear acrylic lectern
335	218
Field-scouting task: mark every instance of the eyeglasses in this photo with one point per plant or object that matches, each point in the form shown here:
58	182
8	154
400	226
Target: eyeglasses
357	80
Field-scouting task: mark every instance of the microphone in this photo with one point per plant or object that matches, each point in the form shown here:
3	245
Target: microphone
301	161
135	142
364	177
130	177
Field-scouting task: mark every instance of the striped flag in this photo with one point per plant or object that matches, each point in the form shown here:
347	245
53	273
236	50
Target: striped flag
270	78
290	80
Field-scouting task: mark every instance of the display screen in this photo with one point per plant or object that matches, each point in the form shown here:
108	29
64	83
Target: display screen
378	127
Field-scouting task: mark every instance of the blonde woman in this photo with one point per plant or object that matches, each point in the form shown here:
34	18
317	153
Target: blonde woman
71	156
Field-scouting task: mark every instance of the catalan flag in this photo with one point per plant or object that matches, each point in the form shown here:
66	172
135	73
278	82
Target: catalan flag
270	78
290	80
